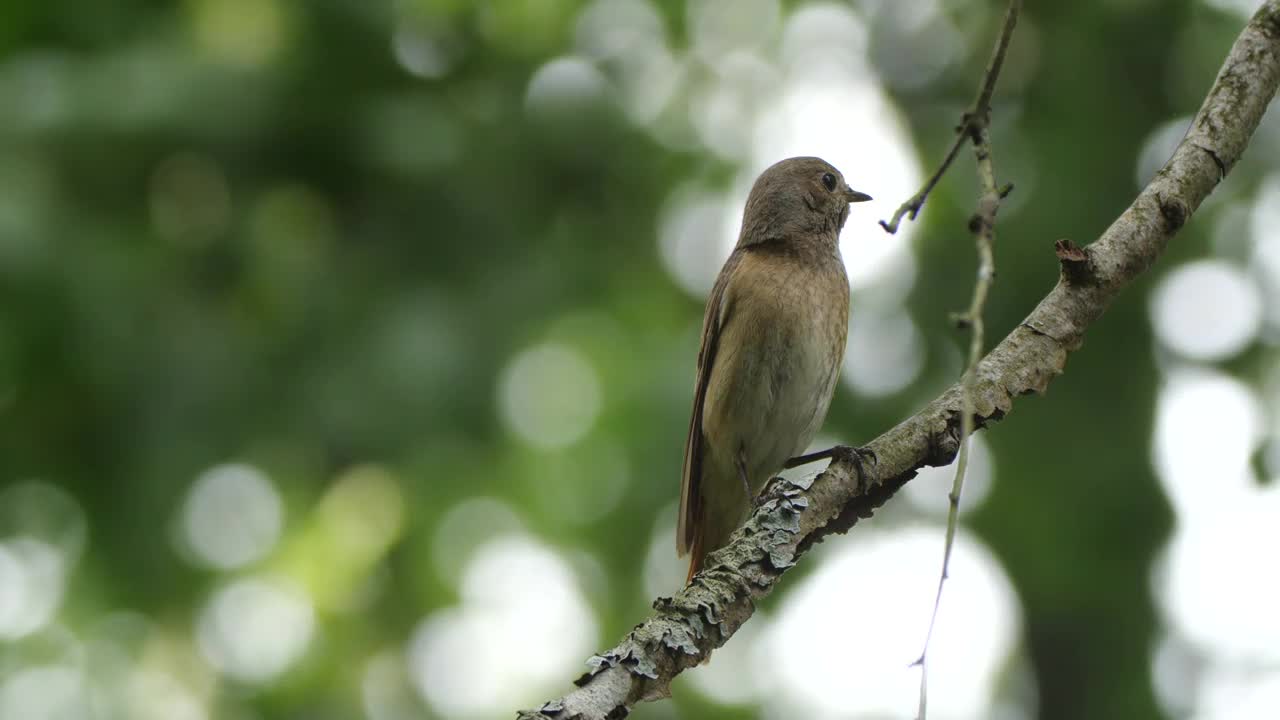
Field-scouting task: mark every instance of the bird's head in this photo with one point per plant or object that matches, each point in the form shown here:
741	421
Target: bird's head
797	197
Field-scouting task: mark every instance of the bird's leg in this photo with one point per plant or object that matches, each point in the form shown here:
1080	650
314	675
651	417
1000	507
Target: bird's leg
854	455
742	473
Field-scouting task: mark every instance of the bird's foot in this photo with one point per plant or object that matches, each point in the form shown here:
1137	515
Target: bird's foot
856	456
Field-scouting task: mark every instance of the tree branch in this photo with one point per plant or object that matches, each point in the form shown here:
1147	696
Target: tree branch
791	516
975	120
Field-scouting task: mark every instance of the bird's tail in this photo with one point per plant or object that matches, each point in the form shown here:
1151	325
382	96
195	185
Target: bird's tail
710	533
695	554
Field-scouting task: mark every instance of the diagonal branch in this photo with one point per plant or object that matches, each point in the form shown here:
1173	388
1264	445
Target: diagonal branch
791	516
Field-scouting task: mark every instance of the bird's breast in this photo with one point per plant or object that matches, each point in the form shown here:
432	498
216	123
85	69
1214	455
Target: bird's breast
779	356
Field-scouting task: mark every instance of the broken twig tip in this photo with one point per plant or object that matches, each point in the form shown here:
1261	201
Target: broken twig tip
1069	251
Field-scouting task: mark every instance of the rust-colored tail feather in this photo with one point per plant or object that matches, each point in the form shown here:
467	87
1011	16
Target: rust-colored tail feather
695	555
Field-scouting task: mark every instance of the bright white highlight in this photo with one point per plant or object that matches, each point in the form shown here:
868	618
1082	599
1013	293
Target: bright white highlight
464	528
1219	589
830	107
45	692
664	573
628	38
931	486
1206	310
1207	427
718	28
691	223
33	577
232	516
522	627
840	647
738	672
885	351
1264	224
565	83
255	629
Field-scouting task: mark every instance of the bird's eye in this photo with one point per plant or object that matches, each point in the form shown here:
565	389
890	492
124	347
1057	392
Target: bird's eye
830	181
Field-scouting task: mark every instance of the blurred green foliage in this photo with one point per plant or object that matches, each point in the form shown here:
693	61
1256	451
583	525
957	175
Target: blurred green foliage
243	231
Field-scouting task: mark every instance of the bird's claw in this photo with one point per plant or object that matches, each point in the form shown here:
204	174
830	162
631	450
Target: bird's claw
857	457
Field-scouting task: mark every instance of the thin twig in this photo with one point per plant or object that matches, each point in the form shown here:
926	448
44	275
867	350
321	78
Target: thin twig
978	114
912	206
983	227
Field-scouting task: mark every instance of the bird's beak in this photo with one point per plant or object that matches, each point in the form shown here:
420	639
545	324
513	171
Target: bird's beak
855	196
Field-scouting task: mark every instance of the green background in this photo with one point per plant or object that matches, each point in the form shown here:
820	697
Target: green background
243	232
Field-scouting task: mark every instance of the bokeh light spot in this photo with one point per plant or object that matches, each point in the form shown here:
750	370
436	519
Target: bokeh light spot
33	576
884	351
422	54
464	528
232	516
1243	8
565	84
522	627
722	114
45	512
1264	225
914	43
829	661
619	29
1176	671
691	229
245	33
628	41
363	512
45	692
1207	427
254	629
1246	693
549	396
42	533
823	33
828	110
1159	147
734	676
664	572
931	486
1206	310
718	28
157	695
1227	608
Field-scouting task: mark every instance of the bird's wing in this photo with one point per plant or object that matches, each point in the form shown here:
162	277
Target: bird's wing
716	314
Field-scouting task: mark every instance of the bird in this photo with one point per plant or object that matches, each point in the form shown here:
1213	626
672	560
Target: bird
773	342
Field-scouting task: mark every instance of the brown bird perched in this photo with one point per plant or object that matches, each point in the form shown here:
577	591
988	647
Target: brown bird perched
773	340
